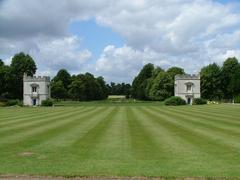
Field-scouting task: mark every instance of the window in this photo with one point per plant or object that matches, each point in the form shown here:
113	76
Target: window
34	89
189	87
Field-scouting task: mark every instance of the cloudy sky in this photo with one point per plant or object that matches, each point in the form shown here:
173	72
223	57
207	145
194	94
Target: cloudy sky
115	39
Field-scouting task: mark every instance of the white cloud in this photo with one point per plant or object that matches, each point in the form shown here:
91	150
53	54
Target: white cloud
60	53
186	33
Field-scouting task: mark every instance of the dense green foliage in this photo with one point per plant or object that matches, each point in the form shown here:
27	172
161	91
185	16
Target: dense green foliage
237	99
174	101
153	83
101	140
13	102
47	102
119	89
11	77
86	87
219	83
140	82
199	101
211	82
81	87
161	87
21	63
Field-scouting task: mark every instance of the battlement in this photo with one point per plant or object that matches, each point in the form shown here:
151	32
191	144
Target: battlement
187	77
36	78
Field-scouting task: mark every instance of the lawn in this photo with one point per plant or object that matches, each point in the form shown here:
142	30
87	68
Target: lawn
121	140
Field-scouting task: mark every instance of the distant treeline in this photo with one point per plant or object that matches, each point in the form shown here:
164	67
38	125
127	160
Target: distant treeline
152	83
217	82
82	87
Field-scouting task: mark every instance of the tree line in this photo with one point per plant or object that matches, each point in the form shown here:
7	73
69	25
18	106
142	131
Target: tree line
217	82
152	82
82	87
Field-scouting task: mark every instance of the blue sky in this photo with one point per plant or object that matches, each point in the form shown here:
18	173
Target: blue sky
95	37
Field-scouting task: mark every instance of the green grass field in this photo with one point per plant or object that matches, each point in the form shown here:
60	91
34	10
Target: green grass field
127	140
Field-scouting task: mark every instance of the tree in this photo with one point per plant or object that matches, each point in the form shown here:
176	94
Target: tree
140	82
234	85
119	89
211	82
21	63
76	90
4	72
1	63
228	71
161	87
85	87
155	73
63	76
172	72
58	90
102	92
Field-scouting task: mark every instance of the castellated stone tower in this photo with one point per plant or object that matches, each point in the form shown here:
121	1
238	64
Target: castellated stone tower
35	89
187	87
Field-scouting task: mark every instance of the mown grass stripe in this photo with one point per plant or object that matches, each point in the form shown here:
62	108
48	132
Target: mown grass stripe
37	119
219	115
199	138
176	149
28	117
143	144
35	123
33	134
75	130
209	119
84	145
24	112
204	124
115	142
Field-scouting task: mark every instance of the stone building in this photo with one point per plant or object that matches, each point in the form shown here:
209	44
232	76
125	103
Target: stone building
187	87
35	89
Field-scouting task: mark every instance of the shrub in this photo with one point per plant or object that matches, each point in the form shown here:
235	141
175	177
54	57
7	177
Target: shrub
2	104
47	102
199	101
175	101
237	99
13	102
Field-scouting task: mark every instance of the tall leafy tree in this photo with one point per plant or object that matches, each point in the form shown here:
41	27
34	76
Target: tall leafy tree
76	90
21	63
64	76
234	85
161	87
85	87
4	72
228	71
102	92
150	80
211	82
173	71
58	90
140	82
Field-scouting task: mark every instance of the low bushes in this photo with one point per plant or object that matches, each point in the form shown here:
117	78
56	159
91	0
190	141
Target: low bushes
237	99
175	101
13	102
199	101
2	104
47	102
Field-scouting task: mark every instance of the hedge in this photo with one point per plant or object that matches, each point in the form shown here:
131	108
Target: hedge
175	101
